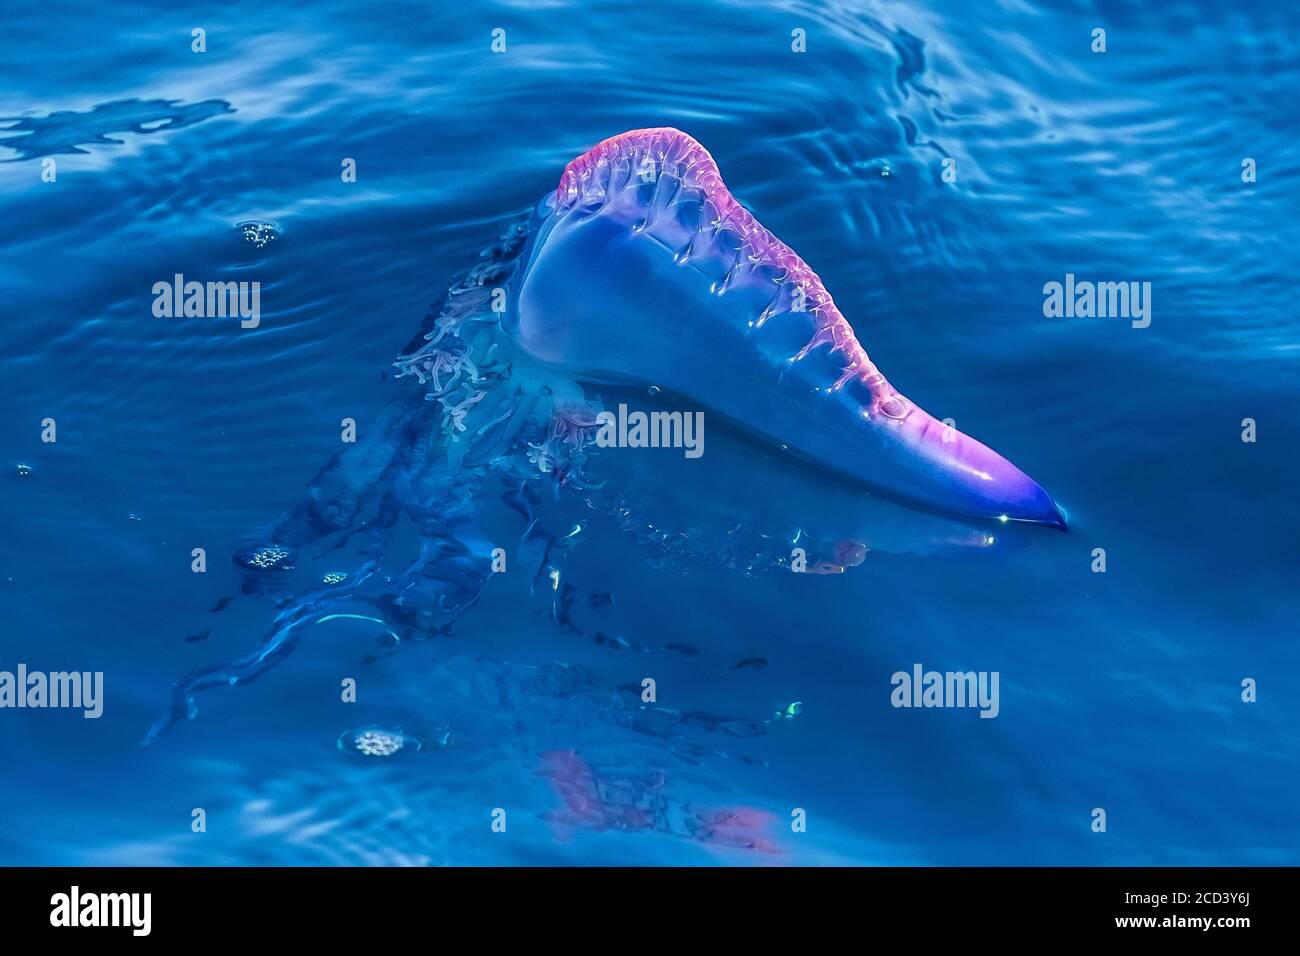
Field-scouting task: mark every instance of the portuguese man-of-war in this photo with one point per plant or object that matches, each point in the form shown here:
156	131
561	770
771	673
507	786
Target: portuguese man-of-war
639	280
643	268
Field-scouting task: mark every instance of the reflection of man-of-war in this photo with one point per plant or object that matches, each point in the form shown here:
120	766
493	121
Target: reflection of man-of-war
637	802
485	437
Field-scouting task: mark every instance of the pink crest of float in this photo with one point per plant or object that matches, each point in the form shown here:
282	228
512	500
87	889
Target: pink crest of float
680	155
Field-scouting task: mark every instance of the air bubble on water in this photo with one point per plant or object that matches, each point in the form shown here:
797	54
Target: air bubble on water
372	743
376	742
24	471
259	233
335	577
265	557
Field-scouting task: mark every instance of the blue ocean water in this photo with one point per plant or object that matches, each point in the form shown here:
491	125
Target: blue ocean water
1120	691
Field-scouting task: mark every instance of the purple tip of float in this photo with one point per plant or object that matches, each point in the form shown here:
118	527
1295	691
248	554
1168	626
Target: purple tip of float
973	477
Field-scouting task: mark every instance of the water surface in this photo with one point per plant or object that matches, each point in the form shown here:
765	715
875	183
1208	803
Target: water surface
1119	690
